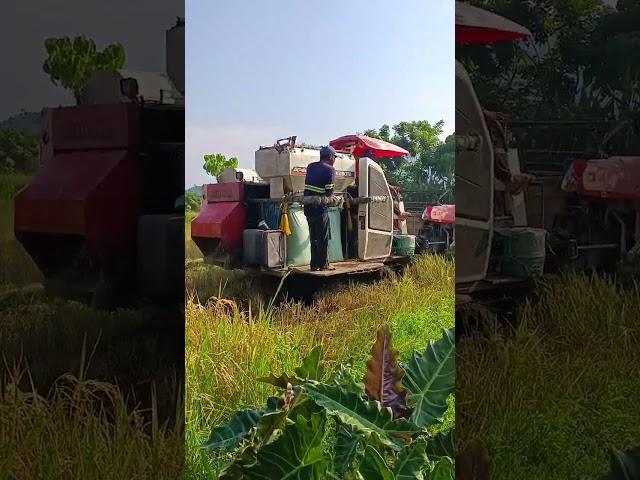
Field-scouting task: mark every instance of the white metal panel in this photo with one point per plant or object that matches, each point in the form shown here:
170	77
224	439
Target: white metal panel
375	220
474	186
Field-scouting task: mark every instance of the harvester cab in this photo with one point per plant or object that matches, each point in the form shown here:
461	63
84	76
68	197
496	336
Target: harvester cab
261	224
102	217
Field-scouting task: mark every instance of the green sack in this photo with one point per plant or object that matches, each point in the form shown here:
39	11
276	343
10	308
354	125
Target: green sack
298	243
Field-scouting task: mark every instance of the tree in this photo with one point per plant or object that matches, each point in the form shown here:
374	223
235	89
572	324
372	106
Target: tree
192	201
18	150
431	166
70	62
215	164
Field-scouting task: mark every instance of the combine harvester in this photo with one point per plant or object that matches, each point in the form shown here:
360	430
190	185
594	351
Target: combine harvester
260	225
437	234
585	220
102	218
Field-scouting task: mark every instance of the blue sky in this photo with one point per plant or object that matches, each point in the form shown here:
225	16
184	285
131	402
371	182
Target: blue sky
257	71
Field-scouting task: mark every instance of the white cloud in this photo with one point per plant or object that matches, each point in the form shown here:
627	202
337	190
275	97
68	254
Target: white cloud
233	141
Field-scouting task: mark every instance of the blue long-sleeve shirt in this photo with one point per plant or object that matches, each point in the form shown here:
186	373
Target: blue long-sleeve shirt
320	179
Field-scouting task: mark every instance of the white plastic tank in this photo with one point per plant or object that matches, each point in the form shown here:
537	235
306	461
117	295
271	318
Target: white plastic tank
285	170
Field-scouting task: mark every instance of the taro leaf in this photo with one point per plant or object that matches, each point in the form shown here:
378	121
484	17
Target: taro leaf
228	436
383	380
343	377
443	470
373	467
442	444
365	416
244	458
624	466
268	425
230	472
312	368
411	461
430	378
296	454
271	423
346	448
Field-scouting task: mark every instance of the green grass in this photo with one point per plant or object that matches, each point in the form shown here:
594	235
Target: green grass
550	400
228	347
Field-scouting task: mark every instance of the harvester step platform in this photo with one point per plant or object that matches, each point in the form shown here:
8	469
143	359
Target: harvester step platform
349	267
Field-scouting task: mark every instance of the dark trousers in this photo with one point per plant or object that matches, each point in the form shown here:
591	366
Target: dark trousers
319	233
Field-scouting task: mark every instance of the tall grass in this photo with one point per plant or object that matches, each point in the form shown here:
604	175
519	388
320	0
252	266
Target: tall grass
552	398
228	347
82	429
56	420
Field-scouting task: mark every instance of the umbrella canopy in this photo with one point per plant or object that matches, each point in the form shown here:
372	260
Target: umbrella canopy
361	145
477	26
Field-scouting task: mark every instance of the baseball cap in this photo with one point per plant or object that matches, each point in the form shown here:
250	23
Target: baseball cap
327	152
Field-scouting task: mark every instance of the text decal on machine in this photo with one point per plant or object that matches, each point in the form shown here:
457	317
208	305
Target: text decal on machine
302	171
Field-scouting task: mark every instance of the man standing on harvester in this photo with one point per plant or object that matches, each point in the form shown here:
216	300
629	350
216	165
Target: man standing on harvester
319	182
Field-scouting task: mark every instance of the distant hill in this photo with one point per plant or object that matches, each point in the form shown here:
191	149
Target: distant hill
195	189
25	121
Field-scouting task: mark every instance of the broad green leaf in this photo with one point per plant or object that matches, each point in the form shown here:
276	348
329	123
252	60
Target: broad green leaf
430	378
228	436
343	377
442	445
383	379
373	466
411	461
268	425
442	470
366	416
311	368
346	448
296	454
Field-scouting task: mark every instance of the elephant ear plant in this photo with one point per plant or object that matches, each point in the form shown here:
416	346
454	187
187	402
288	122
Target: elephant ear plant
336	427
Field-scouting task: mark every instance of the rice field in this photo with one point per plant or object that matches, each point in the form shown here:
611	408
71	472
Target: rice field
551	398
231	342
